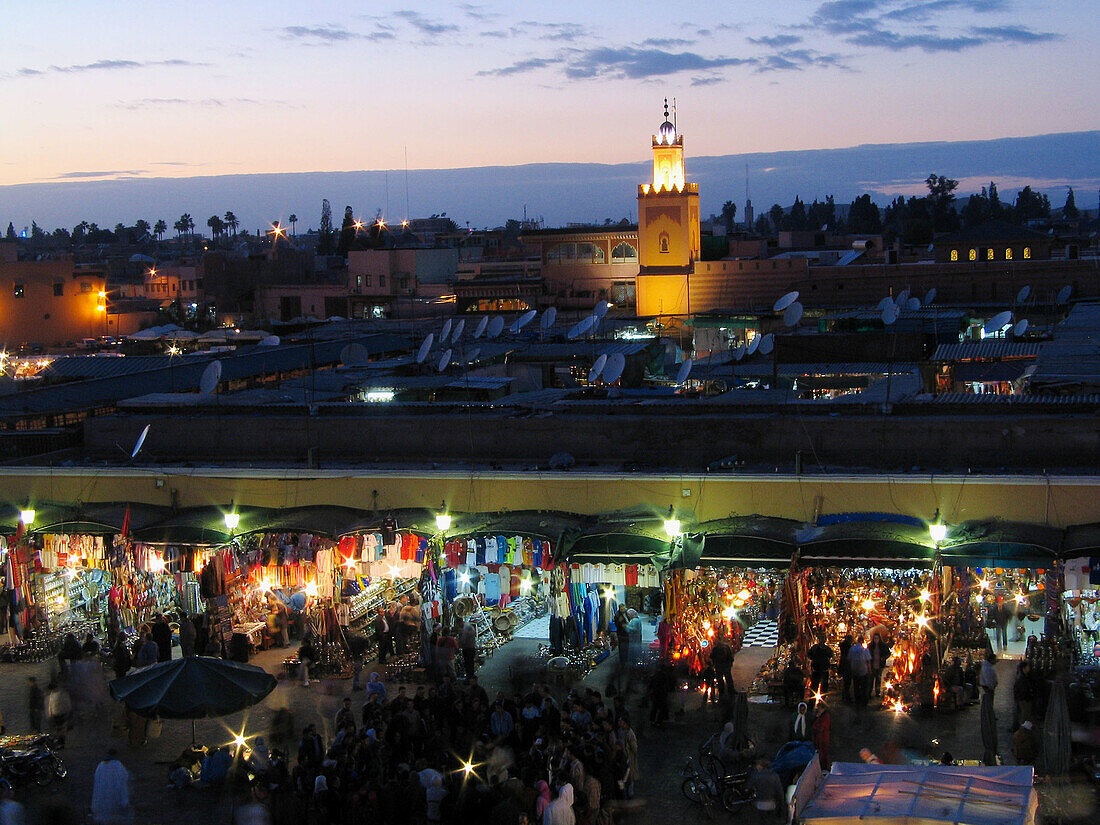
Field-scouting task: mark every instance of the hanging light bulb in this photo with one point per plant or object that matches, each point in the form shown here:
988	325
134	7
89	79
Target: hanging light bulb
672	524
442	518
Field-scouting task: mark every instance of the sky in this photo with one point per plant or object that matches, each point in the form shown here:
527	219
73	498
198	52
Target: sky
116	90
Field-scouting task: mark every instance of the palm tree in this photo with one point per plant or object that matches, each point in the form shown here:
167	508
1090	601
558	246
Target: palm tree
294	224
232	222
160	228
181	225
141	227
216	226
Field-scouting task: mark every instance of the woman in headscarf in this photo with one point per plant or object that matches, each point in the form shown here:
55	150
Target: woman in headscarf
376	685
822	731
543	801
800	724
560	811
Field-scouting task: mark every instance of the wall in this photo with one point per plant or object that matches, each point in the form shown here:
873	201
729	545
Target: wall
42	317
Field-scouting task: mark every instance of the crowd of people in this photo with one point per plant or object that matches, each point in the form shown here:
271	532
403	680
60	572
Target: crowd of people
451	753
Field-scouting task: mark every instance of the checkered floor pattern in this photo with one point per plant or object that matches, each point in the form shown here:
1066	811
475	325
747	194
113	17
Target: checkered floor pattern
765	633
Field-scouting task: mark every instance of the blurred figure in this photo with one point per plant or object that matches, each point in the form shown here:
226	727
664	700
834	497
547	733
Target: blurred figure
58	708
11	812
188	635
1025	746
36	703
111	792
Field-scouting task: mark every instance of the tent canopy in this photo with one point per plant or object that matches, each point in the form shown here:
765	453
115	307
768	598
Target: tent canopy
194	687
856	792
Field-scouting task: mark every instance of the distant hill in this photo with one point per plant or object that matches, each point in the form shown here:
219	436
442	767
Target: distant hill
572	192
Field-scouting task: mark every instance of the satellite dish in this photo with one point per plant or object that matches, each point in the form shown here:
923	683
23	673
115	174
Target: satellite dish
753	346
903	296
474	353
738	352
445	360
582	326
210	377
549	317
1021	296
890	314
885	302
446	330
597	368
930	296
616	363
523	320
913	304
140	442
457	332
684	372
767	344
601	309
792	314
1020	328
484	322
353	355
785	301
998	322
425	348
270	341
1064	293
496	325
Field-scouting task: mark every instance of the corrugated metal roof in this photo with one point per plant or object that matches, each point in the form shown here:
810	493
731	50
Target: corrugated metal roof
764	368
925	313
550	351
482	382
75	367
1073	357
1080	399
989	348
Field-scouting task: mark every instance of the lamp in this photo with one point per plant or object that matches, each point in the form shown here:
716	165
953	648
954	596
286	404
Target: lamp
232	520
672	524
442	518
27	516
937	530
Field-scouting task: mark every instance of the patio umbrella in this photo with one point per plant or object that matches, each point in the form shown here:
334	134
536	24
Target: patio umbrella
989	730
194	687
1056	735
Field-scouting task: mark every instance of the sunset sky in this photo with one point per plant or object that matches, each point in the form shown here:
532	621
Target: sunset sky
116	89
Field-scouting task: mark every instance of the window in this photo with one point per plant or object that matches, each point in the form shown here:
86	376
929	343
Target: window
381	280
58	290
85	286
973	255
954	254
989	254
664	242
1008	253
17	291
367	280
624	252
1027	253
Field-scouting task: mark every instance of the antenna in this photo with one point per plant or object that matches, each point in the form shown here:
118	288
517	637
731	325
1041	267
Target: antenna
674	115
408	215
387	213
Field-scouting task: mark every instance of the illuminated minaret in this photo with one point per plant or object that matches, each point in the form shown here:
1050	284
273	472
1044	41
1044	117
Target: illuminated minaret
668	228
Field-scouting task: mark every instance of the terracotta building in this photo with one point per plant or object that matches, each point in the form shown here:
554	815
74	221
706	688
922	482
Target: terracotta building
51	302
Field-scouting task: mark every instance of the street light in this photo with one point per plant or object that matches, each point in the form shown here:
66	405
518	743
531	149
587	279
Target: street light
672	524
442	518
27	516
232	520
937	530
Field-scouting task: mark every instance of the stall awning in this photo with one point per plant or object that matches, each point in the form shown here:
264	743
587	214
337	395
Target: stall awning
1082	540
992	543
867	543
644	541
203	525
747	541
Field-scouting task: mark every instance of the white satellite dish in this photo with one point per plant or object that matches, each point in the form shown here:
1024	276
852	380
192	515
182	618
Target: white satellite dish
210	377
425	348
885	302
456	333
496	326
1020	328
785	301
913	304
1064	293
445	360
582	326
549	317
597	368
616	363
270	341
890	314
929	296
1021	296
998	322
767	344
683	373
353	355
446	330
753	346
523	320
903	296
600	310
792	314
484	322
140	442
738	352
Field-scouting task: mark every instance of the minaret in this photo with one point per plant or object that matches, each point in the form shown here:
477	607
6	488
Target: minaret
668	228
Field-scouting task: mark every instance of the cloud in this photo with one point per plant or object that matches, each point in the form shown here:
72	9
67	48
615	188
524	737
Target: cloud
206	102
425	25
520	67
666	42
635	63
706	81
777	41
476	12
104	65
129	173
556	32
331	35
1014	34
925	10
797	60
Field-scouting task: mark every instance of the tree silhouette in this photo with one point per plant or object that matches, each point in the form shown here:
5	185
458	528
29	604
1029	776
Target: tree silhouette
160	228
324	234
1069	211
729	213
294	224
10	235
231	222
141	227
216	226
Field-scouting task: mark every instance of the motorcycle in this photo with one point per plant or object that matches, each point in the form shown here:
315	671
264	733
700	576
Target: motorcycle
39	765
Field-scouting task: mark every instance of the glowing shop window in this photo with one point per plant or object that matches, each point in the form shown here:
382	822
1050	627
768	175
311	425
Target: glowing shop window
973	254
1027	253
954	254
1008	254
989	254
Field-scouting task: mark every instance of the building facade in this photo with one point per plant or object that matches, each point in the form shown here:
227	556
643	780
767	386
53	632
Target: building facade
52	303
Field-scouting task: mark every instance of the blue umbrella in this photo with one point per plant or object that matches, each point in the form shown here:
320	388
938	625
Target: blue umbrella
194	687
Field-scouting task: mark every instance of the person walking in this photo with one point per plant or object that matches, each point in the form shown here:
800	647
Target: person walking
467	643
880	652
844	665
1023	694
622	637
381	630
987	679
36	703
820	656
306	656
162	635
187	637
721	659
58	708
859	659
801	724
822	733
